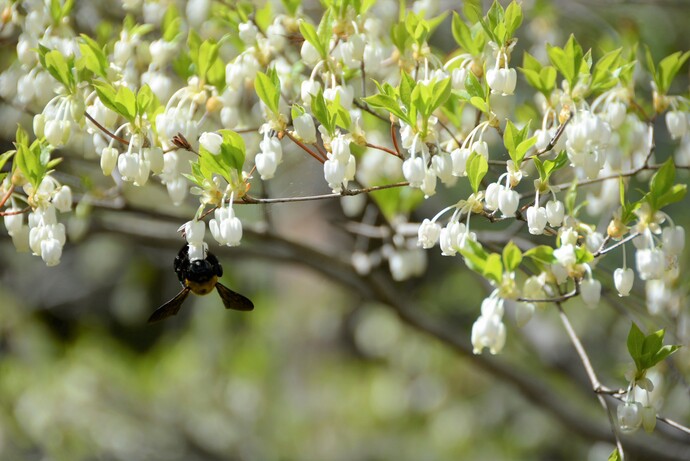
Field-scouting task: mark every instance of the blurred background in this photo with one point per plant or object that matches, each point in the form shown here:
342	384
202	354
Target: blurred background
330	365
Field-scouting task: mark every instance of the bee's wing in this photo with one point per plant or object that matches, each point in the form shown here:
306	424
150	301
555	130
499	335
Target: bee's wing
233	300
172	307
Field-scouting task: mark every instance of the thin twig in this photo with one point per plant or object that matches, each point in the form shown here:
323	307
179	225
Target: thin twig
105	130
591	374
384	149
304	147
248	199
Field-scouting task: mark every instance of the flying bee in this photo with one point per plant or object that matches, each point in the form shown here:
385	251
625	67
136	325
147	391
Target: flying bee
199	277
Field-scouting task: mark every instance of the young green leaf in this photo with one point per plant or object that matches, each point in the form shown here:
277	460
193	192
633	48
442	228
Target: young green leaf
541	254
477	167
568	60
493	269
512	257
268	89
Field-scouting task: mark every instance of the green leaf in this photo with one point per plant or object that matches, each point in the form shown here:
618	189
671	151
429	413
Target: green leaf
542	254
106	93
475	256
662	180
60	68
477	167
615	455
635	343
308	31
126	103
407	85
145	100
387	99
472	10
542	78
92	57
5	157
465	38
325	32
606	71
568	60
171	26
474	87
493	269
668	68
233	149
480	104
513	18
673	195
208	53
514	139
512	257
268	89
440	92
321	113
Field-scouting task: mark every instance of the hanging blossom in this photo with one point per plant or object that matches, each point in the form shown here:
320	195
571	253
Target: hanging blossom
340	167
225	227
488	330
269	156
501	78
194	232
587	140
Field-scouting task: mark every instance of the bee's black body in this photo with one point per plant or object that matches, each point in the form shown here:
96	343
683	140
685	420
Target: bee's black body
200	277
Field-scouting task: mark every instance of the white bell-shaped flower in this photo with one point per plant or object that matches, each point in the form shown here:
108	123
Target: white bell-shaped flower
673	239
304	128
13	222
309	89
629	417
555	211
334	173
51	251
524	313
501	80
340	147
62	199
677	123
156	159
309	54
428	234
414	171
442	165
593	241
128	165
194	231
488	332
536	220
565	255
491	196
459	157
590	289
623	280
650	263
508	201
226	228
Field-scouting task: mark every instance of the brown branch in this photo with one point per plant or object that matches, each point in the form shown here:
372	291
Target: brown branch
248	199
105	130
384	149
304	147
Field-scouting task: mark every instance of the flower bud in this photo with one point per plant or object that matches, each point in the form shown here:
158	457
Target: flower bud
648	418
108	160
304	128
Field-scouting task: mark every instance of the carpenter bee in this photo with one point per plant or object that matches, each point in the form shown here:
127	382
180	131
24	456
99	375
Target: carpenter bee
199	277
